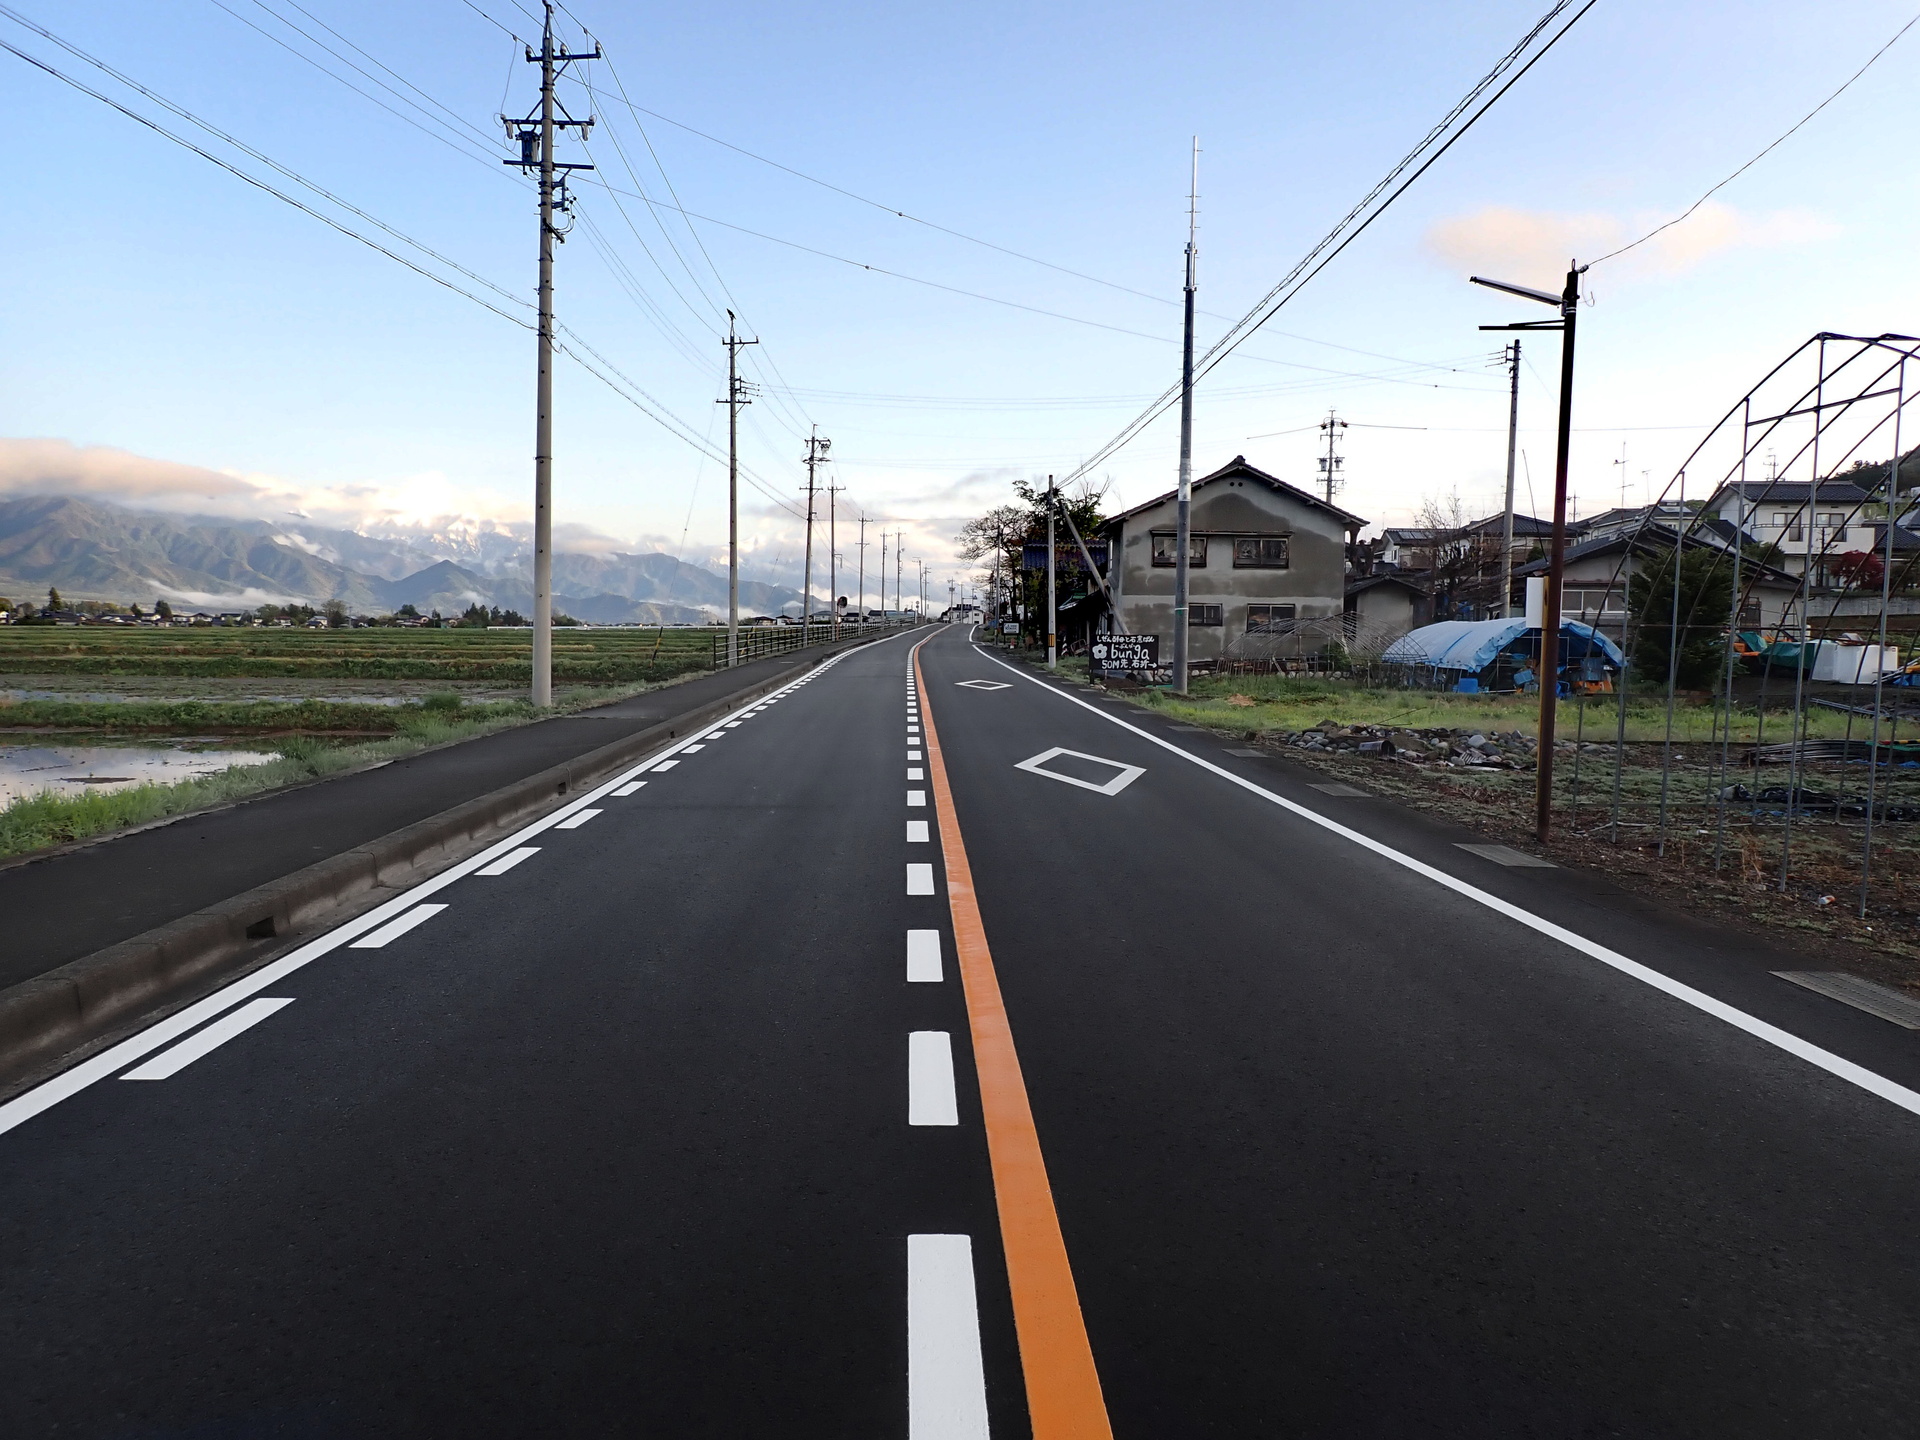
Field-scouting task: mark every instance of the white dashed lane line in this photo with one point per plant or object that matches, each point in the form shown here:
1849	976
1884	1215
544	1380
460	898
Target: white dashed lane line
919	879
916	832
916	798
394	929
508	861
172	1061
946	1378
923	957
628	789
931	1099
575	821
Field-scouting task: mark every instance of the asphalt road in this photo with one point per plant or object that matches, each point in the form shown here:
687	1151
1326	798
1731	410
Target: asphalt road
1276	1108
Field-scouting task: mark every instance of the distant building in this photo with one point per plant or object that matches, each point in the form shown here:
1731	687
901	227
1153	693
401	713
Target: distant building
1267	564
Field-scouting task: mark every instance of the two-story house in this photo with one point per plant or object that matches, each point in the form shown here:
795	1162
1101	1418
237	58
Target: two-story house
1263	557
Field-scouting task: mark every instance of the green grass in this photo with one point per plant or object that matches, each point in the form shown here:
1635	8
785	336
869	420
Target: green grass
1294	703
35	822
205	717
603	657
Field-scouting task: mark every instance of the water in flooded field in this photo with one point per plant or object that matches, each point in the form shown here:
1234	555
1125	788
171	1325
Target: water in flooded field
45	764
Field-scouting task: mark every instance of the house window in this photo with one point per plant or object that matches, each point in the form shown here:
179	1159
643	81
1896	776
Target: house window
1260	552
1204	615
1269	619
1750	614
1164	551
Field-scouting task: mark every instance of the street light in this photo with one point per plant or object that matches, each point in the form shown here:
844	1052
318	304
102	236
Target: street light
1569	302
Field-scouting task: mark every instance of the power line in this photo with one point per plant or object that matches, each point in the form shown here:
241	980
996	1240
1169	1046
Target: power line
1767	151
278	194
1351	226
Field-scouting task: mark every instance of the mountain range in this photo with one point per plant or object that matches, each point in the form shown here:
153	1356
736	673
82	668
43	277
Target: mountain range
91	550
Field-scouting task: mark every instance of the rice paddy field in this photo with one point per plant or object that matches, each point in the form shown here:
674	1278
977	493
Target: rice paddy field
102	727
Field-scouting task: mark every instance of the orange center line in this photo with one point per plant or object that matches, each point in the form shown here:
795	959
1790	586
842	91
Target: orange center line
1063	1386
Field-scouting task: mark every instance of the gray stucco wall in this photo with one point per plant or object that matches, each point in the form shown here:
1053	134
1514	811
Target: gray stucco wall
1314	580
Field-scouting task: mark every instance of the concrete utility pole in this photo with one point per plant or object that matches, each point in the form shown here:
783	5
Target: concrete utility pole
863	569
1183	505
883	576
899	560
1512	356
1330	463
1053	609
817	448
536	134
833	558
737	391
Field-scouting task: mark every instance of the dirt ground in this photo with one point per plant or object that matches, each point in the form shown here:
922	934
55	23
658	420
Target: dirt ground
1820	901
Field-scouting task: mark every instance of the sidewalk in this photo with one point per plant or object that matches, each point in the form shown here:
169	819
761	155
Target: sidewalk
70	905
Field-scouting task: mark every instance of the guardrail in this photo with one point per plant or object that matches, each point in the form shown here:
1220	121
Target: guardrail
759	641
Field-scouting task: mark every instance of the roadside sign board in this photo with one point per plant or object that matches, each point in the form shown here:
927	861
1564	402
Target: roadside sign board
1124	654
1009	627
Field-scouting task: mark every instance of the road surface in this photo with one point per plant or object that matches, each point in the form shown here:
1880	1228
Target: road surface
930	1051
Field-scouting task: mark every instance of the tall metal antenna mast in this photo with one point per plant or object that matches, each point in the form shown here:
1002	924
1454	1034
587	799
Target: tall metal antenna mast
1183	505
536	135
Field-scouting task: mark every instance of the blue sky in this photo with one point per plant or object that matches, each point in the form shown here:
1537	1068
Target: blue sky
176	314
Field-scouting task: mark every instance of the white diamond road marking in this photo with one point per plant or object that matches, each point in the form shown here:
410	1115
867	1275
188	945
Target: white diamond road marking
394	929
575	821
983	685
1125	776
919	879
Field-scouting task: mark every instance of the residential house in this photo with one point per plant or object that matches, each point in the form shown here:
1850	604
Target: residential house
1381	608
1598	572
1811	522
1267	562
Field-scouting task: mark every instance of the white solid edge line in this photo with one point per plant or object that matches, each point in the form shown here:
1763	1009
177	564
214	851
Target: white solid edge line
394	929
946	1378
930	1094
923	957
507	862
575	821
172	1062
1835	1065
72	1081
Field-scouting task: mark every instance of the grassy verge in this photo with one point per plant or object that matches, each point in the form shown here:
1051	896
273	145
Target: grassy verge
35	822
1735	864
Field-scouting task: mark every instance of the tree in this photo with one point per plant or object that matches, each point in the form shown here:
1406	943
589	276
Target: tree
54	601
336	613
1859	570
1706	594
163	609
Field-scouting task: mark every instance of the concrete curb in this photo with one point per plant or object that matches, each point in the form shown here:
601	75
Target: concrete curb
44	1018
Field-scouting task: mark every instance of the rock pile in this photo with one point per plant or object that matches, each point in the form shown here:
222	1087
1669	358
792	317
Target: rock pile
1462	749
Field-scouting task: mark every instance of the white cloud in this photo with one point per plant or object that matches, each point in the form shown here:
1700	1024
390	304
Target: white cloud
1533	246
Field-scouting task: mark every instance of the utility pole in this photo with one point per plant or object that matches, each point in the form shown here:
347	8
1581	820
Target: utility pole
536	136
863	569
1330	463
1569	302
737	393
817	448
883	576
1053	609
1512	356
1183	504
833	558
899	557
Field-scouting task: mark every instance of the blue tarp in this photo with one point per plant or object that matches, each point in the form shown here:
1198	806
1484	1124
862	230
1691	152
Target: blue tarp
1471	645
